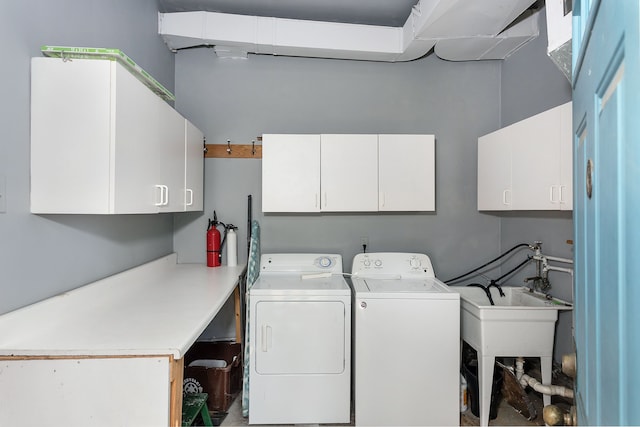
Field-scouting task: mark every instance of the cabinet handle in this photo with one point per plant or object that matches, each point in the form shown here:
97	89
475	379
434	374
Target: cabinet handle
325	199
551	194
504	197
316	200
190	193
166	195
159	187
562	201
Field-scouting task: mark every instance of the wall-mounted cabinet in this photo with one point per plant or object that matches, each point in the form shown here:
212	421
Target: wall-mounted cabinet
348	173
407	173
193	168
103	143
290	173
528	165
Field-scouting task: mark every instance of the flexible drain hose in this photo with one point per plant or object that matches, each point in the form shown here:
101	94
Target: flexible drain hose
488	263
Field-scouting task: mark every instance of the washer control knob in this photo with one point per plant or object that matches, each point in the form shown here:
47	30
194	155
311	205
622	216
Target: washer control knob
324	261
378	263
367	262
415	262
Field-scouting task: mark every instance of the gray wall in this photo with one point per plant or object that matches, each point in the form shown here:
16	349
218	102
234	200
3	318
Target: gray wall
42	255
241	99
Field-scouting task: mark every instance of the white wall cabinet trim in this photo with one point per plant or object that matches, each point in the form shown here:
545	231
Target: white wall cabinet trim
528	165
102	142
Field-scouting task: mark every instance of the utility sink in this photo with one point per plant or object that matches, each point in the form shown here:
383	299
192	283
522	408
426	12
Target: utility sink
522	323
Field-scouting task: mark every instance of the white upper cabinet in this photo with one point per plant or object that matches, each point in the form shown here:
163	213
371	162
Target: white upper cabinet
102	142
347	173
193	168
290	173
527	165
565	194
494	170
169	153
406	177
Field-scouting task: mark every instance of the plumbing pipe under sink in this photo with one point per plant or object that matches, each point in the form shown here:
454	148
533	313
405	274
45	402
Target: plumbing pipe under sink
550	389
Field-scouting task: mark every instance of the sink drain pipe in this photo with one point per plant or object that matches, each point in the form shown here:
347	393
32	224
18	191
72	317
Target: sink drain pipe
525	380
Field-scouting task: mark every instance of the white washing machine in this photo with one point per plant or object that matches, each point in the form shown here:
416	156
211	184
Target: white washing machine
406	342
300	341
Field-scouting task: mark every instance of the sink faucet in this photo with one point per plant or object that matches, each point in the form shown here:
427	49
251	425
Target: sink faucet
485	289
539	283
532	279
541	279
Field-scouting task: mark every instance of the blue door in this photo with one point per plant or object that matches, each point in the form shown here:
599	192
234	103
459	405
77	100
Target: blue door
606	117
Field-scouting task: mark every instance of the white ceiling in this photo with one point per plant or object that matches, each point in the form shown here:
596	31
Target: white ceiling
389	13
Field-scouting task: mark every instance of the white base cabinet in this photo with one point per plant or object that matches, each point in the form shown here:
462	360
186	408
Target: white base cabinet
87	391
528	165
102	142
348	173
110	353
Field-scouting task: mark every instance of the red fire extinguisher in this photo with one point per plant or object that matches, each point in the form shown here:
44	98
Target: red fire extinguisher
214	246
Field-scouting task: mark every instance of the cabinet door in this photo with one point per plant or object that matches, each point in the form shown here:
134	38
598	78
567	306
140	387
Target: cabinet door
135	166
406	178
566	157
170	157
70	136
535	157
494	170
290	173
349	173
87	391
194	168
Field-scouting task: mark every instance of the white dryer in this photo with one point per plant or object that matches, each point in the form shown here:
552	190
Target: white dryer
406	342
300	341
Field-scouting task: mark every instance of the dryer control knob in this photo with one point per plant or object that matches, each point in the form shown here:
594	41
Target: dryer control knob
324	261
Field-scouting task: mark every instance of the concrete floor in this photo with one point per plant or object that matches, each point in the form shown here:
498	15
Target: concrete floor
507	416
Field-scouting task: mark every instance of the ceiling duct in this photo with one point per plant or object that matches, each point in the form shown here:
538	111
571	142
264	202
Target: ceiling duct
559	34
458	29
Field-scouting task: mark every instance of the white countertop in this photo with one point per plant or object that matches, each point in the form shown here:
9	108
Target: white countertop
158	308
